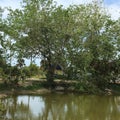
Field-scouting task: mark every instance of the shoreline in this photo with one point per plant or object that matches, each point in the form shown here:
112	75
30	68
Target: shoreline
40	88
3	95
41	91
6	93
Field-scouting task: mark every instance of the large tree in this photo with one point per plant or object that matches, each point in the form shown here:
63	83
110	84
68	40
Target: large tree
82	39
98	42
41	29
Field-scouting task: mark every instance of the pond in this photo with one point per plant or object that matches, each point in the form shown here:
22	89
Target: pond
61	107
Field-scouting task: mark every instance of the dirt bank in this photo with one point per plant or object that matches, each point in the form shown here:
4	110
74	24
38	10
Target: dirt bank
3	95
6	93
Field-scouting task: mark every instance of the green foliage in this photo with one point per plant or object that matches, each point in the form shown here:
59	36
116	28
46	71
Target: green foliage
80	87
33	86
26	71
34	69
82	39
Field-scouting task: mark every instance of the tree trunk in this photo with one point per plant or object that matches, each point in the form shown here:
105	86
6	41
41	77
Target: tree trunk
50	76
50	73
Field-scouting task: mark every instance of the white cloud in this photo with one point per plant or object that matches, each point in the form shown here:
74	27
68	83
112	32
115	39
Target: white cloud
66	3
114	10
11	3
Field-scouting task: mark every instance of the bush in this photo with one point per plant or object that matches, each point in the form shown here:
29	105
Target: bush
26	71
34	69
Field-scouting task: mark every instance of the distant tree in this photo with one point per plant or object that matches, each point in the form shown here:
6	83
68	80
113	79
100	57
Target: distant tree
34	69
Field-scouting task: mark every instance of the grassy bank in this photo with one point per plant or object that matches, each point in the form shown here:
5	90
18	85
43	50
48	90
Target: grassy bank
42	87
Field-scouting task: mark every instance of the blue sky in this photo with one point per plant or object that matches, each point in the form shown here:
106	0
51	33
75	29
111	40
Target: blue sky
109	2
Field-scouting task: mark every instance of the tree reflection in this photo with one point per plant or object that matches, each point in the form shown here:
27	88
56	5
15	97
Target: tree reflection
18	110
71	107
63	107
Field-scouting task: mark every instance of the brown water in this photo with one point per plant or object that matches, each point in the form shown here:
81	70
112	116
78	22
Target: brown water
62	107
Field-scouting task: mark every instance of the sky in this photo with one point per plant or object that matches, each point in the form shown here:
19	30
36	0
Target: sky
112	6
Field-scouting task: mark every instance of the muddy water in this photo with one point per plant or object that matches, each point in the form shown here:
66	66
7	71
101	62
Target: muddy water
61	107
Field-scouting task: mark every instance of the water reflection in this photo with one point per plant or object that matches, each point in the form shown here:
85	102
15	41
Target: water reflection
62	107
